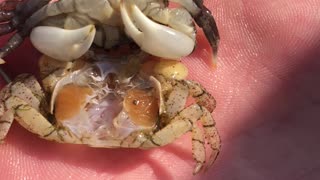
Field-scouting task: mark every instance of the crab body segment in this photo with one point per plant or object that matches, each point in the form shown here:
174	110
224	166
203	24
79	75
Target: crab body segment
111	105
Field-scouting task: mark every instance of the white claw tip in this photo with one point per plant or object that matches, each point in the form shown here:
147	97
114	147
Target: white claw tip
63	44
154	38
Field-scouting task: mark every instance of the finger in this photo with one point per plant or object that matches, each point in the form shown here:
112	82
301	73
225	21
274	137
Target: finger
233	84
177	156
266	84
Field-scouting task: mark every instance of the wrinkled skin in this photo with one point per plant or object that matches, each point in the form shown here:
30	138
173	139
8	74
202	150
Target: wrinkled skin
267	87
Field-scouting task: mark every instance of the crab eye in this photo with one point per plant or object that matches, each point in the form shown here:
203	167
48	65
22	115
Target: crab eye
142	107
70	100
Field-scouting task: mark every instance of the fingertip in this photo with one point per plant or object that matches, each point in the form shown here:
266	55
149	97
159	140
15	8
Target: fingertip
213	62
2	61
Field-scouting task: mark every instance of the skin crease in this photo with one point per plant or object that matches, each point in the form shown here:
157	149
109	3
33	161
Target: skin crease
267	87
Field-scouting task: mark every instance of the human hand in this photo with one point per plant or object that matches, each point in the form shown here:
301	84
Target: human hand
266	86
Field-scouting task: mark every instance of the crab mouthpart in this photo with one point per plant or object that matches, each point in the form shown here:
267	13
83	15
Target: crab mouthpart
153	38
63	44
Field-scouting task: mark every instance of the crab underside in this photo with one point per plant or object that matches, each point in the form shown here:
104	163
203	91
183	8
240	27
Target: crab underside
85	97
112	104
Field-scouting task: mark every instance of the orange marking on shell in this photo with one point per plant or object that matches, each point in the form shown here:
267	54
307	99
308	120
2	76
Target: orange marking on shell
70	100
142	107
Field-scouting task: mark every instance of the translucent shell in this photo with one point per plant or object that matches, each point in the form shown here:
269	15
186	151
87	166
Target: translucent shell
142	107
70	100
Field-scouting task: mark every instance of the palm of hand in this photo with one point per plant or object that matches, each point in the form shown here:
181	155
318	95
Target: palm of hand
266	86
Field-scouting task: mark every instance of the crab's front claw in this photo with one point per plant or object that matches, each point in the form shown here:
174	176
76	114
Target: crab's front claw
62	44
153	38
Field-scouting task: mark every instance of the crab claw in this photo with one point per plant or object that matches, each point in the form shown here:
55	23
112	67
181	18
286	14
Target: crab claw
62	44
153	38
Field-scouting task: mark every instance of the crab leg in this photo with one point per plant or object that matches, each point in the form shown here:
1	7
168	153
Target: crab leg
208	104
30	118
6	28
17	11
176	99
23	87
32	84
6	115
198	148
10	21
201	96
211	134
6	15
22	100
16	19
185	121
205	20
5	123
179	125
24	9
7	9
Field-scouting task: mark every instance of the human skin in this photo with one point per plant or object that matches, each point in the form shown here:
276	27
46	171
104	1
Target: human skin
267	86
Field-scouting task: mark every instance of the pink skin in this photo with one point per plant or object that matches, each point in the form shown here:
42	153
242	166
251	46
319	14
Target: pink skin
267	87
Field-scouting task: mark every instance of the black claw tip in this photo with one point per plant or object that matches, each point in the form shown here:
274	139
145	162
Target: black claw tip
205	20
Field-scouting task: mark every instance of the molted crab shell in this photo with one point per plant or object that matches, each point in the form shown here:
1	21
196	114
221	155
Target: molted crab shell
104	103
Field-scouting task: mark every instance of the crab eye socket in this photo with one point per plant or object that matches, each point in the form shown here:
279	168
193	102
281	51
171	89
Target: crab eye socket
142	107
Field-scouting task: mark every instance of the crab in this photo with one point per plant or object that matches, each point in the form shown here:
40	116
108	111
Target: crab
66	29
98	101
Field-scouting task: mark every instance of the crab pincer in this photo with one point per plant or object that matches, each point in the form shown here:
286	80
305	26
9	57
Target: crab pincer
156	39
13	16
158	30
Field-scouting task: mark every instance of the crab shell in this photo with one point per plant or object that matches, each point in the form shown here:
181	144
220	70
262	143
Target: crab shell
112	104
